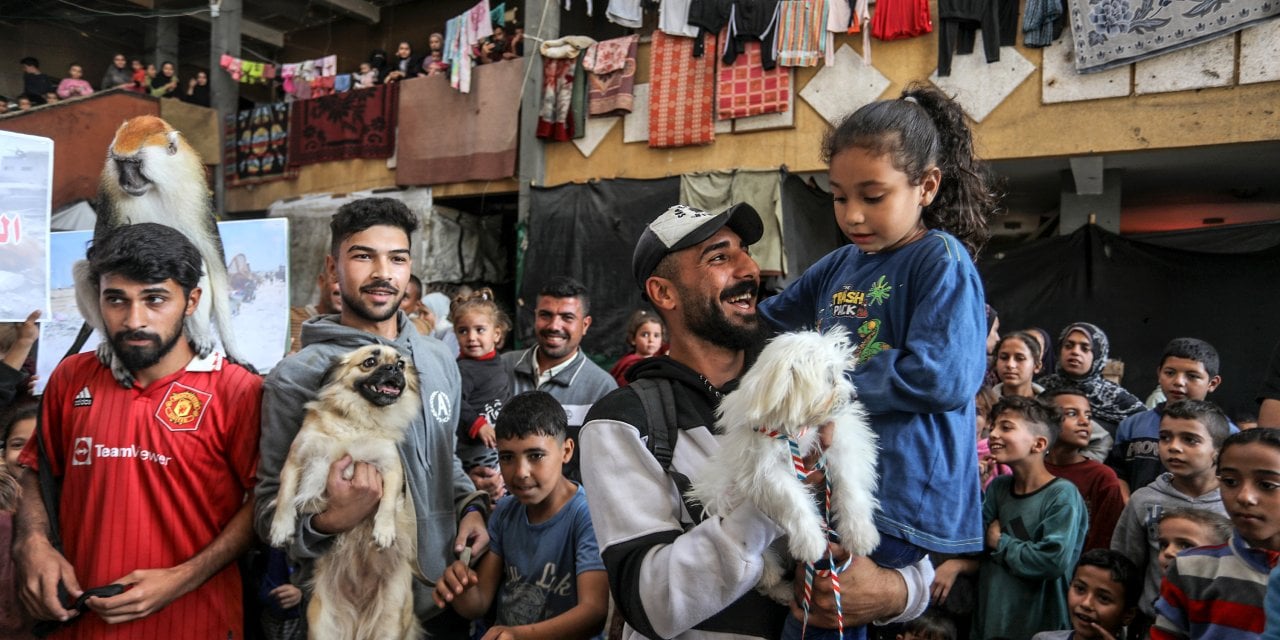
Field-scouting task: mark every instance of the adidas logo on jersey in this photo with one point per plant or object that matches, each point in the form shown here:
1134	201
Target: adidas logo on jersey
83	399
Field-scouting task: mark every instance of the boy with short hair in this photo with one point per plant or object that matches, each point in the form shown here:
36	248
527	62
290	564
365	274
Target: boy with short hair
1188	371
1182	529
1219	592
1035	525
1103	597
543	564
1191	433
1102	493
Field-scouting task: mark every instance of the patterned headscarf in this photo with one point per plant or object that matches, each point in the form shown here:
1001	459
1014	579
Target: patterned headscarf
1110	402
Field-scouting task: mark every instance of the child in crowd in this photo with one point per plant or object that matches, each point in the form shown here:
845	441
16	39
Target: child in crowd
16	426
1017	363
645	333
988	468
543	565
480	326
1082	354
1182	529
75	85
930	626
433	63
1103	597
1035	528
366	77
1102	493
16	341
15	624
1188	371
1219	591
914	201
1191	434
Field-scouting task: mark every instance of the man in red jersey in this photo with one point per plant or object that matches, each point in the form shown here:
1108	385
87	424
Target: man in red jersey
154	480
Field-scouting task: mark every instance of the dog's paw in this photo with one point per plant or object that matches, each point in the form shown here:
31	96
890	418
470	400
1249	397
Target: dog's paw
281	533
807	544
384	534
862	540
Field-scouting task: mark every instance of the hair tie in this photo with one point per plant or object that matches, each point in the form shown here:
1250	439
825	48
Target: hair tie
911	99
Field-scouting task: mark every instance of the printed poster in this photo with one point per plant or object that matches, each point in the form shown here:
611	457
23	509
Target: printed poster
257	253
26	179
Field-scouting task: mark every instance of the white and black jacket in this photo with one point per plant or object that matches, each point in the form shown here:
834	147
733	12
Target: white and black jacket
670	577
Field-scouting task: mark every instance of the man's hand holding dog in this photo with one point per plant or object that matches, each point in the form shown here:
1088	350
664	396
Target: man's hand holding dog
868	593
353	497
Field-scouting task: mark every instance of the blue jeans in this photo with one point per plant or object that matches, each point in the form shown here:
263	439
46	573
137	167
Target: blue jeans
893	553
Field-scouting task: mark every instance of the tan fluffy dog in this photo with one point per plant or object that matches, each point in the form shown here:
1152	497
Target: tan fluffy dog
363	586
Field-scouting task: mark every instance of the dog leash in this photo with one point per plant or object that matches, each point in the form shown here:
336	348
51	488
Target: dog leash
810	569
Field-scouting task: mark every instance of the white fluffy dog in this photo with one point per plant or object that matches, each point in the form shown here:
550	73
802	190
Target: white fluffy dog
797	385
362	587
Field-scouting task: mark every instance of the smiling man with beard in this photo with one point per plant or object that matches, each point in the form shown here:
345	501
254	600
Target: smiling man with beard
370	258
672	573
555	364
153	481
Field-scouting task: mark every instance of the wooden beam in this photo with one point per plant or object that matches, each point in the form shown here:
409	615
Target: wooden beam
365	11
252	30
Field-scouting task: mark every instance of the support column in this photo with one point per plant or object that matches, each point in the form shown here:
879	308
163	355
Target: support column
1101	207
166	42
223	91
532	163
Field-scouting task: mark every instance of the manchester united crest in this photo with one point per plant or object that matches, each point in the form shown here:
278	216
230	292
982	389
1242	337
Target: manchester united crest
182	408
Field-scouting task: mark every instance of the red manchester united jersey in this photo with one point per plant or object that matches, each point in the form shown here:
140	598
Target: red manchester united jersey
149	478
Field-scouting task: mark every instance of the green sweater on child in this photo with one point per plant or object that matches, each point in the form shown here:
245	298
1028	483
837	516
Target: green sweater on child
1022	584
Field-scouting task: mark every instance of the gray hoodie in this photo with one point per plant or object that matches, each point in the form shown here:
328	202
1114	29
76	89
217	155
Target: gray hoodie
1137	533
432	472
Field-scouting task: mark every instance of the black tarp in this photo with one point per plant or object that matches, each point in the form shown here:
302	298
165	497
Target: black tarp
1144	295
588	231
809	229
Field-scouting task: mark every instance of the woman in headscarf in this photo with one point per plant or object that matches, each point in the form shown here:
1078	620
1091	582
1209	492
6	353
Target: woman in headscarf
1082	353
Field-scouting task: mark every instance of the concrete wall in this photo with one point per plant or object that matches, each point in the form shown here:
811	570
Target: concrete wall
1020	126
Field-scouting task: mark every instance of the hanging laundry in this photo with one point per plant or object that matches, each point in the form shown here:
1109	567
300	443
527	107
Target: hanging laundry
953	14
862	24
751	20
1040	23
710	17
801	25
498	15
560	62
1007	14
899	19
626	13
681	89
568	6
673	18
342	83
745	88
612	91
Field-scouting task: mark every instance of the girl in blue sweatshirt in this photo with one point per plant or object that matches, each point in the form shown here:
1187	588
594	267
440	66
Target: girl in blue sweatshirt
914	201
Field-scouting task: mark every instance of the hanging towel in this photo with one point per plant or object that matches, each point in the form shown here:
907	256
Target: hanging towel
681	91
801	25
745	88
613	93
610	55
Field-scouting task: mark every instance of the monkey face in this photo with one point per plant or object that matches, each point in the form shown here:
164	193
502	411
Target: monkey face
130	177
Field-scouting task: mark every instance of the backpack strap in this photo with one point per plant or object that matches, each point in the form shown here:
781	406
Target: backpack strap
658	400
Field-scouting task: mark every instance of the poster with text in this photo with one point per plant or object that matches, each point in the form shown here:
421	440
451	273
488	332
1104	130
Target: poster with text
257	253
26	182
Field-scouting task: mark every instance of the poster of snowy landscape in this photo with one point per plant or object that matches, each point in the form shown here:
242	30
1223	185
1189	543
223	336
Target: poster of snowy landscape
26	173
257	262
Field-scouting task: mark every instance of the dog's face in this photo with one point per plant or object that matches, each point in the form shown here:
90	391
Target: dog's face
797	382
377	372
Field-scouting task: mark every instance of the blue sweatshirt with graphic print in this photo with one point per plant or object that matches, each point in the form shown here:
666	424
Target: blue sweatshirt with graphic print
917	315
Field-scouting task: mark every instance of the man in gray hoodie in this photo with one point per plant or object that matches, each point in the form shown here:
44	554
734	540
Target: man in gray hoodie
370	260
